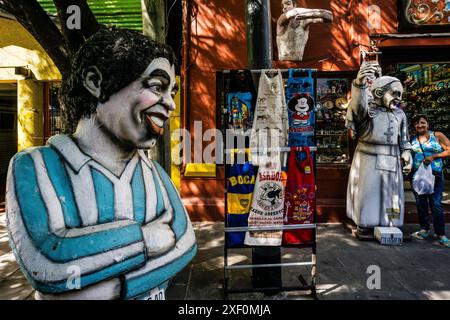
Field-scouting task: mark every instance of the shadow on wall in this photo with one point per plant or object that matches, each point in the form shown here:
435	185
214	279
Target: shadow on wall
217	42
204	200
218	34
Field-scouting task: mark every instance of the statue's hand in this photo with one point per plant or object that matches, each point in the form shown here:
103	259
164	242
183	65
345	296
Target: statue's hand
407	161
159	238
407	168
327	16
367	70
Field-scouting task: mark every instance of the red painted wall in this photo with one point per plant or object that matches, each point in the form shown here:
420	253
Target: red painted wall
217	42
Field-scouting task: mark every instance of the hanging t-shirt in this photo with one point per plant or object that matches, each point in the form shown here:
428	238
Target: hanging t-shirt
240	111
267	203
270	123
301	106
300	200
241	182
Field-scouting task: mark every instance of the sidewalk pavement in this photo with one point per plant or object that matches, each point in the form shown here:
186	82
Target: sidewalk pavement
415	270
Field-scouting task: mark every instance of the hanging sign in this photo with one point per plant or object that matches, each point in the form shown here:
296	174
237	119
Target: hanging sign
241	182
270	123
240	111
300	200
301	105
424	14
267	203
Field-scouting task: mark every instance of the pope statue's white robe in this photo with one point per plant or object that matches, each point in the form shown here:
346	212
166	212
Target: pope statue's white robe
375	186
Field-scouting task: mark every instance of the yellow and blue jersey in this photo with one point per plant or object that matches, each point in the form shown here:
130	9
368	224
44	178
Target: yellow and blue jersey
240	185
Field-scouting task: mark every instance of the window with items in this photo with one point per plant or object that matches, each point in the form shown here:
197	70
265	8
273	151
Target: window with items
331	134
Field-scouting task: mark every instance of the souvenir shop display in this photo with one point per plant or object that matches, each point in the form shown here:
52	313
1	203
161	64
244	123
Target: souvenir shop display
300	198
330	131
301	105
256	215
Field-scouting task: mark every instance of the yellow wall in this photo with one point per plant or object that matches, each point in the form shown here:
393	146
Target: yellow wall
30	114
175	123
19	49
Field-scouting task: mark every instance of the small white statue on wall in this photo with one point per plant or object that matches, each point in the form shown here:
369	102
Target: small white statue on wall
293	28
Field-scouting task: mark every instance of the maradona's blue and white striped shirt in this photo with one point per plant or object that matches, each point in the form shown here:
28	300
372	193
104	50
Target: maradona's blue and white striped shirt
65	209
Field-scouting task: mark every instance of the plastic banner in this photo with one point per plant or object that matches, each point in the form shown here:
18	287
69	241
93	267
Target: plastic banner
270	123
240	110
301	106
267	203
300	201
241	183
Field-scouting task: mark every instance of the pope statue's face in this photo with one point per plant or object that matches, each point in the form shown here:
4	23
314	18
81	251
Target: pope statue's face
394	95
135	115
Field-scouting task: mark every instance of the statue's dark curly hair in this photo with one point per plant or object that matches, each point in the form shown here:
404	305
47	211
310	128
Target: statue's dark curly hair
120	55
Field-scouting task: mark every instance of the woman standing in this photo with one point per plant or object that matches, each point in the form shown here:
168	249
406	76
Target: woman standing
430	147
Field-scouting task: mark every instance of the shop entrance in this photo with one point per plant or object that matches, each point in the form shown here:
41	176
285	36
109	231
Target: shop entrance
8	130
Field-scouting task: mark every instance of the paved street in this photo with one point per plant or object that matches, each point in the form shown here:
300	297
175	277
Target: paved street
416	270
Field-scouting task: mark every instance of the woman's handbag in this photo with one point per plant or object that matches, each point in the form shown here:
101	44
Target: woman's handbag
423	180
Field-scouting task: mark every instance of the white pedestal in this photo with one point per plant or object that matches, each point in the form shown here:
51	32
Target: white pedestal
389	236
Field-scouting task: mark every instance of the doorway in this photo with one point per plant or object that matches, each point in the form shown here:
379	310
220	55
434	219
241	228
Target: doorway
8	130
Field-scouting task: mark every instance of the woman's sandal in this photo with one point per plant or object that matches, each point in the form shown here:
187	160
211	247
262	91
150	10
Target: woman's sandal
421	235
444	241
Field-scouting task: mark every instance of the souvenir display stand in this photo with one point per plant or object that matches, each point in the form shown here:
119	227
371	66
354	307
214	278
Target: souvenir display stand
236	231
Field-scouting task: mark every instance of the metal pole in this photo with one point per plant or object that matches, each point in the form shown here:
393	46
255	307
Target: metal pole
259	34
259	53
